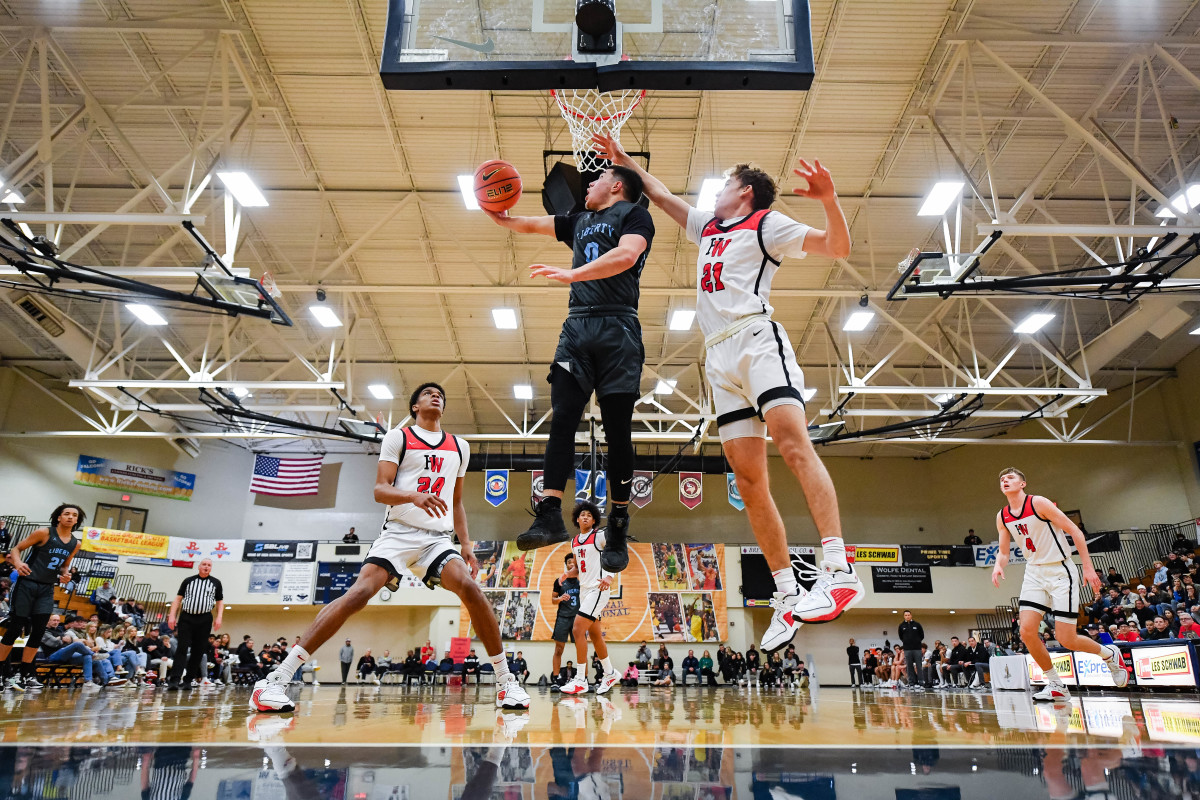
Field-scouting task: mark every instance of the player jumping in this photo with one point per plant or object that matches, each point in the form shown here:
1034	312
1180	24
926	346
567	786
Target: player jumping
594	585
418	467
1051	584
756	383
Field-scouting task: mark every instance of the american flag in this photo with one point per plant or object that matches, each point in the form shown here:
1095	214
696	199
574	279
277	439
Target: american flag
286	477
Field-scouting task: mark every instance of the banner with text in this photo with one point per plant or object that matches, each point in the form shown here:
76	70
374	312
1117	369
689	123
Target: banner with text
121	476
124	543
182	549
685	585
902	580
938	555
873	554
985	554
257	550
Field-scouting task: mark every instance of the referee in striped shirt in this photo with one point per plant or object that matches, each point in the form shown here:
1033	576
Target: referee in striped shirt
192	608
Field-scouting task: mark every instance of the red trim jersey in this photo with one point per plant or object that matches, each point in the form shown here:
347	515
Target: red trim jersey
1041	542
587	548
427	461
738	258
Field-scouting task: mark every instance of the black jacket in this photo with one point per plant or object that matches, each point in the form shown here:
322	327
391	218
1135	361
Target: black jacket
978	654
911	635
691	663
960	653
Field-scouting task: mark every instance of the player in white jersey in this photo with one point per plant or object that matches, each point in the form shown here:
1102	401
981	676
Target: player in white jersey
751	368
418	467
594	585
1051	584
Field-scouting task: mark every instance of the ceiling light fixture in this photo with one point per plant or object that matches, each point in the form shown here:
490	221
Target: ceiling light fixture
466	185
380	391
325	315
681	319
1033	323
858	321
809	393
240	391
523	391
665	386
147	314
1182	202
505	318
940	198
243	189
709	189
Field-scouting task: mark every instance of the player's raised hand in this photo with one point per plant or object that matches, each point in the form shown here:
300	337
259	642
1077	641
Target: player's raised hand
553	273
997	576
820	182
608	148
431	504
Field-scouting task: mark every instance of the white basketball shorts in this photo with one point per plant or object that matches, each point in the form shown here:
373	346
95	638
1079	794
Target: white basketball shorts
401	548
1052	589
751	372
592	600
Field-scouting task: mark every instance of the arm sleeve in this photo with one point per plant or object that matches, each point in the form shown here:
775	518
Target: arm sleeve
697	219
391	446
220	595
784	236
464	448
564	228
639	222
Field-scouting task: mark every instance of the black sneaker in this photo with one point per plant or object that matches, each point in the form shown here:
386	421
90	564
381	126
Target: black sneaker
548	527
615	557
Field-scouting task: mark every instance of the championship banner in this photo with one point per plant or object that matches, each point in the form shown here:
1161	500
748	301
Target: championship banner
600	493
691	489
985	554
123	543
535	486
495	486
642	491
671	592
181	549
735	496
872	554
902	580
948	555
121	476
258	550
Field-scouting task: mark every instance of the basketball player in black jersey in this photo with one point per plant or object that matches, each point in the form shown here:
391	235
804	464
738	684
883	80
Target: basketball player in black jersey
47	563
600	348
564	595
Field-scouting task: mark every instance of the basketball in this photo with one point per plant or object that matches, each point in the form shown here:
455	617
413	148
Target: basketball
497	185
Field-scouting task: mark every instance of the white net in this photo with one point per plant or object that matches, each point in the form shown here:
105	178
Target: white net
589	112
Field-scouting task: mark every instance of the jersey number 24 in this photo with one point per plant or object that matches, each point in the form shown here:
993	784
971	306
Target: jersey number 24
427	485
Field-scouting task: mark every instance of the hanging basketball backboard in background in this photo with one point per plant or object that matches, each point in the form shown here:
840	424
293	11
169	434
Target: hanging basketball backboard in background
640	44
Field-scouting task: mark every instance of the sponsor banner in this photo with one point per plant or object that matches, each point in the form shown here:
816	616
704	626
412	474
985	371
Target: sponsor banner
535	486
872	554
947	555
985	554
1164	665
159	562
264	578
1172	720
121	476
691	489
907	580
273	550
1063	662
296	582
671	592
1105	716
642	491
182	549
597	494
1105	542
735	497
1092	670
795	550
495	486
124	543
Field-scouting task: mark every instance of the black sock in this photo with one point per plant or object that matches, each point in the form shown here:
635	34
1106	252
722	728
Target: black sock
619	510
4	670
551	502
27	669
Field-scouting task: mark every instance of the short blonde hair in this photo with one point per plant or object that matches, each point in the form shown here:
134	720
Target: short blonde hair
1013	471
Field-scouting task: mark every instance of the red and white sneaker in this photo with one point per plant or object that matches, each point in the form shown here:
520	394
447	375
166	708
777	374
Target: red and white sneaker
511	695
1053	691
270	696
834	592
608	681
576	685
784	622
1116	664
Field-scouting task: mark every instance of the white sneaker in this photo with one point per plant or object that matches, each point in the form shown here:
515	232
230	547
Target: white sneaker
608	681
511	695
784	623
376	681
1053	691
1116	664
576	685
270	696
833	593
508	725
14	684
974	683
314	684
206	682
91	687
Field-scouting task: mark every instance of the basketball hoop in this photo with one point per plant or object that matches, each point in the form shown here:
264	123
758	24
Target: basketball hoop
589	112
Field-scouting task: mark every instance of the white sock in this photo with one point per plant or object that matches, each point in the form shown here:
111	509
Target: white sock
500	665
1052	676
785	580
293	662
833	550
606	663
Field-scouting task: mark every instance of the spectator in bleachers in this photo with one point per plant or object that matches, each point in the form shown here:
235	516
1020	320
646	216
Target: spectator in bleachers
471	666
1175	564
1115	578
772	671
366	668
413	668
1187	628
752	660
690	666
1143	613
1157	631
1128	597
729	669
630	676
972	538
1172	622
1161	575
350	538
60	644
1183	545
5	536
706	669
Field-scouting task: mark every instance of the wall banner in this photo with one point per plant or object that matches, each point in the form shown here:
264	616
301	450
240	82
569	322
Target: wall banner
902	580
182	549
948	555
536	482
691	489
257	550
642	491
123	543
495	486
735	496
104	473
264	578
985	554
872	554
296	582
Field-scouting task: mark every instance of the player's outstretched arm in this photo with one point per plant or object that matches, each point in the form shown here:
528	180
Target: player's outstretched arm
834	241
677	209
543	224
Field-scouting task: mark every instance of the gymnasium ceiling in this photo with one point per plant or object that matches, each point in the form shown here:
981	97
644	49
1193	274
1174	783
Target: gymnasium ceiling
1064	114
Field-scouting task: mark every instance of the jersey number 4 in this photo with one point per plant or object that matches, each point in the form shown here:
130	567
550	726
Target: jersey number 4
1024	531
710	278
427	485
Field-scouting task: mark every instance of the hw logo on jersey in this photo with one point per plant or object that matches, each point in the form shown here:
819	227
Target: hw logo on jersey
495	486
434	463
716	247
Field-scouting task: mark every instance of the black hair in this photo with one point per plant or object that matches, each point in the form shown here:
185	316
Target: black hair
631	182
589	507
412	401
568	557
58	513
